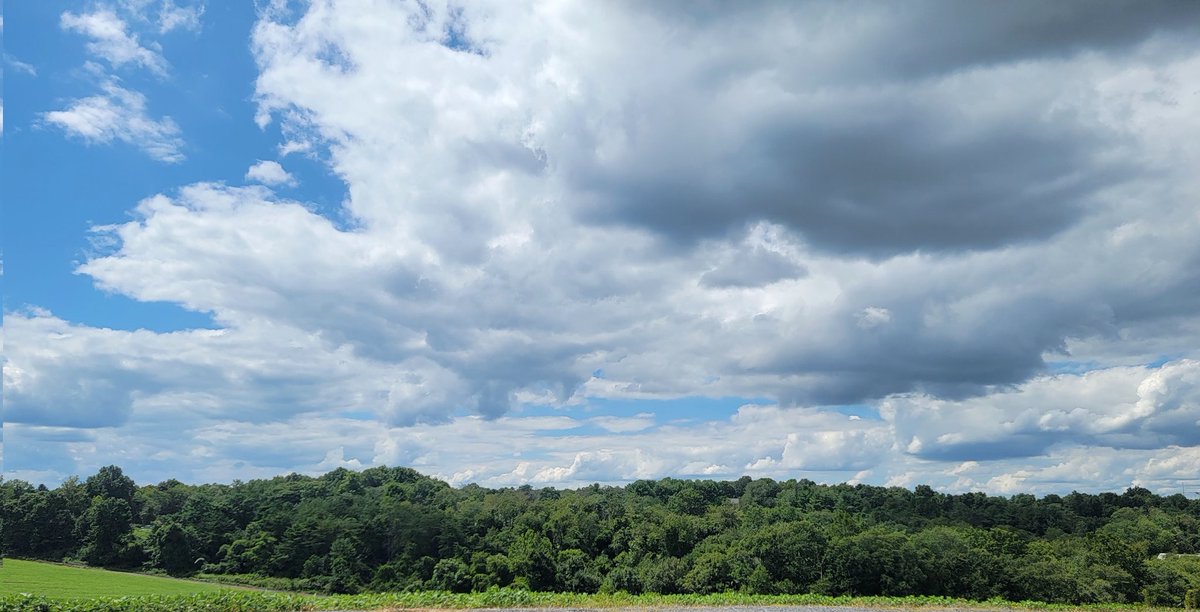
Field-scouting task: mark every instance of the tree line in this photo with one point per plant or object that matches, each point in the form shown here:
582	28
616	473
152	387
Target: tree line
393	529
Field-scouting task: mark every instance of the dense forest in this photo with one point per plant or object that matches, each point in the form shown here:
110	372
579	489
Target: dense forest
389	529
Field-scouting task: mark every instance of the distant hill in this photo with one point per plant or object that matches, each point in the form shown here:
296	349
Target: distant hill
393	529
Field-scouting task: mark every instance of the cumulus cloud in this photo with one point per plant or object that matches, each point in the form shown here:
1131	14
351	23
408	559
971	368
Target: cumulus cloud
1121	407
840	146
270	173
771	208
764	441
120	114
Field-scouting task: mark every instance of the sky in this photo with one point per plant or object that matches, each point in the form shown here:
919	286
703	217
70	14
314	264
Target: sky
509	243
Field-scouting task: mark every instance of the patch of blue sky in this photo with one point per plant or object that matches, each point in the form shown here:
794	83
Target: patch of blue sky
691	408
862	411
1083	367
1071	367
697	408
209	90
1163	360
531	454
585	429
456	34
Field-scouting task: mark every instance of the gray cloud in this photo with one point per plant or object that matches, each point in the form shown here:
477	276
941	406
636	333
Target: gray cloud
878	181
777	200
752	268
871	40
966	132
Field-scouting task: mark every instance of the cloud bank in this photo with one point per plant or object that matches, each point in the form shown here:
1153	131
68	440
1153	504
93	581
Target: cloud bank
977	220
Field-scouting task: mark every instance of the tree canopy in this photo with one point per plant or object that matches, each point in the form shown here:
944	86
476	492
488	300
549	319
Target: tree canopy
394	529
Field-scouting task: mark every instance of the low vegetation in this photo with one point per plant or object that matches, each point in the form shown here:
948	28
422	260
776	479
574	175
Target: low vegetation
17	576
393	533
502	598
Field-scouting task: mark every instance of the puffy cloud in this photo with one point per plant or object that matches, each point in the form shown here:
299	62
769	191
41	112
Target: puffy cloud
270	173
120	114
786	201
556	451
607	142
64	375
1121	407
510	450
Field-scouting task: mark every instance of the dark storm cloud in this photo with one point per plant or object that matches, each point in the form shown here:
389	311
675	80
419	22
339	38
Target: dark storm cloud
879	152
883	181
933	37
903	183
886	40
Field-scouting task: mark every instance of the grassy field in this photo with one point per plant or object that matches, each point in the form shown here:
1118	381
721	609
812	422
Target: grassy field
27	586
54	580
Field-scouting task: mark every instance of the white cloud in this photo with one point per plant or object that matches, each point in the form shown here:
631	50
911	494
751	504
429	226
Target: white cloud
540	203
270	173
873	316
13	63
515	450
623	424
1118	407
111	40
172	16
120	114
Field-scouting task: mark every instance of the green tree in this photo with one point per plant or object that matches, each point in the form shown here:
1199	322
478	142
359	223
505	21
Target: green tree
532	557
346	568
110	481
574	572
173	547
108	528
662	574
952	566
791	553
876	562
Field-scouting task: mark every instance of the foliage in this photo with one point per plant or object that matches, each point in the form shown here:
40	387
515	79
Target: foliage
492	598
394	530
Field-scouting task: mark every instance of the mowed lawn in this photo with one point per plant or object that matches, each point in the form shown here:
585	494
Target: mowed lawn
52	580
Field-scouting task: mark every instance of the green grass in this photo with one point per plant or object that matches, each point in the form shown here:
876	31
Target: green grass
28	586
53	580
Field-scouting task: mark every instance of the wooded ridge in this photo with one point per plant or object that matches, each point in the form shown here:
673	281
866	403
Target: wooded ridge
393	529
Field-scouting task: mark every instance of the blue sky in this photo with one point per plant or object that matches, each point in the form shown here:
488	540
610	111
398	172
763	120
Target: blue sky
515	243
207	93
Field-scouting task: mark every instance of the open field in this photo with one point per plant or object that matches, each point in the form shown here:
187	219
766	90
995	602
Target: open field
53	580
130	592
